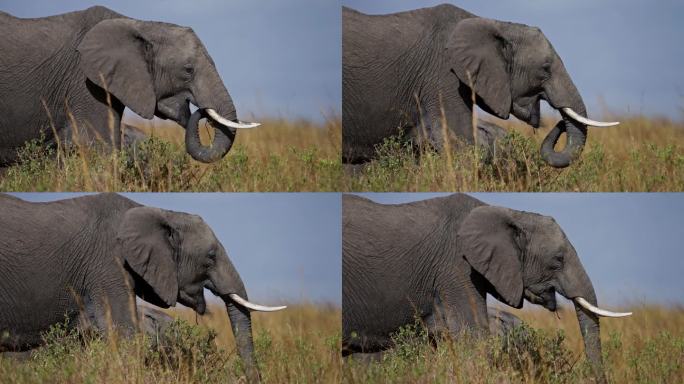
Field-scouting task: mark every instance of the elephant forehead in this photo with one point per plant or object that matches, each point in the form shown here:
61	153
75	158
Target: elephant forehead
182	40
543	230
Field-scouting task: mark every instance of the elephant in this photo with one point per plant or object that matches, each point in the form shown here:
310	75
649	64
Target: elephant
406	73
106	251
437	259
74	73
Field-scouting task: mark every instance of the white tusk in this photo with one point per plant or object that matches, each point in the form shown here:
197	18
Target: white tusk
223	121
577	117
601	312
252	306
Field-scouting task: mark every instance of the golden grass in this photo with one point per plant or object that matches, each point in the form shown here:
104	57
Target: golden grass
278	156
300	344
645	348
641	154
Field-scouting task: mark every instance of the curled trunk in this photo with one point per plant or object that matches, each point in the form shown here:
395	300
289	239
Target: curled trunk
561	92
223	139
576	138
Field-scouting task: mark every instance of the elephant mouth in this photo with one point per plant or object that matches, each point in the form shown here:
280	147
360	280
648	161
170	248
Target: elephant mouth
546	298
528	110
195	301
173	109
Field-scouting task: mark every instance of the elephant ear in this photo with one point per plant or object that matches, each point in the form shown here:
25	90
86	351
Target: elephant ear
114	56
146	241
489	239
476	50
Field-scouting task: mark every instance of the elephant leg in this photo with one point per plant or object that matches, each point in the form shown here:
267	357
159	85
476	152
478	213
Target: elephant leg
446	121
367	357
457	310
97	120
489	137
109	312
131	135
502	323
154	323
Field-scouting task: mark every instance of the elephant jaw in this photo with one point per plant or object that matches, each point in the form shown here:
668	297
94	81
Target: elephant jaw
546	298
173	108
529	112
195	301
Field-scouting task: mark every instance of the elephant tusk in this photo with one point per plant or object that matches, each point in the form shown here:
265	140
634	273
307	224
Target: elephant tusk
231	124
579	118
252	306
601	312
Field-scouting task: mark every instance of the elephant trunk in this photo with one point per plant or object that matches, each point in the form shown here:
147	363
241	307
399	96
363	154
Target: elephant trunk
576	138
591	333
225	282
223	139
211	97
574	282
561	93
241	324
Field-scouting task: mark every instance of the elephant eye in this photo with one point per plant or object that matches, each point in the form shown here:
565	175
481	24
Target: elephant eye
189	69
558	261
212	254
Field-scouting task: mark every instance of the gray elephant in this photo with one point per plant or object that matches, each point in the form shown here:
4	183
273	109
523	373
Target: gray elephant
403	73
78	70
87	258
439	258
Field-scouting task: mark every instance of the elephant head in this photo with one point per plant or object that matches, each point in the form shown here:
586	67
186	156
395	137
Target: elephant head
511	68
173	256
158	69
526	255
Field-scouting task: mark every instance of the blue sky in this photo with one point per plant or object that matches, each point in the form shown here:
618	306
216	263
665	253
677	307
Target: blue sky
277	58
286	246
629	243
623	54
626	52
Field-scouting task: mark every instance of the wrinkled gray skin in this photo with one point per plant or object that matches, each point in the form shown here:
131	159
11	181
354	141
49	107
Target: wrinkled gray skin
62	64
105	251
439	258
435	58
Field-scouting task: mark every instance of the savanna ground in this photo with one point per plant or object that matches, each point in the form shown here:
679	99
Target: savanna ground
647	347
300	344
641	154
280	155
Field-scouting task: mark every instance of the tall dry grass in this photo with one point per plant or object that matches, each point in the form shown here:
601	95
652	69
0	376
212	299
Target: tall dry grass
645	348
300	344
641	154
278	156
